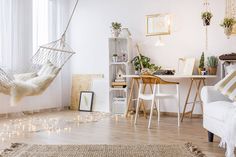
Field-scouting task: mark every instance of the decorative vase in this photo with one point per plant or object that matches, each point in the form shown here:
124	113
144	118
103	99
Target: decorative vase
200	71
212	70
116	33
228	31
206	22
137	72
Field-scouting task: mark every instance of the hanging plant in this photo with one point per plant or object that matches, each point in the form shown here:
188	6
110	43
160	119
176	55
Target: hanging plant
206	17
228	24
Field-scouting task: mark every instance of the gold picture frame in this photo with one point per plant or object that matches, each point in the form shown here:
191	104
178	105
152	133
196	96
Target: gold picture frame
158	24
234	30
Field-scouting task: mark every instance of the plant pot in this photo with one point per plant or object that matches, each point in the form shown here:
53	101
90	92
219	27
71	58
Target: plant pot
228	31
116	33
206	22
212	70
114	58
200	71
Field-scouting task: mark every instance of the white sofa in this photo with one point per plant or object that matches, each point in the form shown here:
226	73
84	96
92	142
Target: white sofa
215	108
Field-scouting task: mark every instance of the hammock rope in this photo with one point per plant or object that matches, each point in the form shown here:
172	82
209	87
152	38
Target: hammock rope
56	52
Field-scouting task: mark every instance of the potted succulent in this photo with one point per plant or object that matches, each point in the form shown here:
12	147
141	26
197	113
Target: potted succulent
206	17
212	63
116	29
228	25
201	66
115	57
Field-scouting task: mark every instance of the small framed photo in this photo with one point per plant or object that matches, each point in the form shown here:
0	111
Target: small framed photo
86	101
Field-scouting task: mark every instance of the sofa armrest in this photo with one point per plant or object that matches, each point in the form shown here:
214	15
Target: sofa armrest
210	94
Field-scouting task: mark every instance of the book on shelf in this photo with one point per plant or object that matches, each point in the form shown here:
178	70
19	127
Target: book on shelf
120	84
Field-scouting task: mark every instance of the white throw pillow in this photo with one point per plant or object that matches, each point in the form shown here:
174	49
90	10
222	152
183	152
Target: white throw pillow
25	76
227	86
230	68
47	69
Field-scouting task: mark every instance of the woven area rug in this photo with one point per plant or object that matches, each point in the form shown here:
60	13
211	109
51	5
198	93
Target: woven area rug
24	150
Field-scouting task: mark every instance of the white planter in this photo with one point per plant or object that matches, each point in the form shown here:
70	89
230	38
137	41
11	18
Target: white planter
228	31
116	33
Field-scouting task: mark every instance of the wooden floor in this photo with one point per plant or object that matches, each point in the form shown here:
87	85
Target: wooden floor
122	131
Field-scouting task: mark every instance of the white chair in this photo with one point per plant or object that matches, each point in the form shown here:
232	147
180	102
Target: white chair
156	94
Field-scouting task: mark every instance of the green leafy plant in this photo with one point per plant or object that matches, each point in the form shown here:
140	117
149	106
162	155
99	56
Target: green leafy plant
207	15
212	61
116	25
202	61
228	22
145	61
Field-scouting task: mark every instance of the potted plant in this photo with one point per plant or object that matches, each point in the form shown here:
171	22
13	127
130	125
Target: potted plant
201	64
116	29
212	63
206	17
115	57
143	63
228	25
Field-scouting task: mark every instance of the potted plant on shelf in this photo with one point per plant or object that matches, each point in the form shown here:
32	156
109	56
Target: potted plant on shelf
212	63
201	64
206	17
116	29
115	58
228	24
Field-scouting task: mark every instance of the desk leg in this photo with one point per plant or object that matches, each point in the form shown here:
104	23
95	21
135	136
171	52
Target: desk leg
186	101
130	97
197	94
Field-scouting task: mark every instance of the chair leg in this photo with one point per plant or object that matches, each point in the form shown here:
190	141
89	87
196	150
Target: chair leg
151	112
137	110
178	106
178	103
159	112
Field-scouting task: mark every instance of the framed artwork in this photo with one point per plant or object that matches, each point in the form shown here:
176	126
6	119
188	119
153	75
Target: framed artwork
234	30
186	66
86	101
158	24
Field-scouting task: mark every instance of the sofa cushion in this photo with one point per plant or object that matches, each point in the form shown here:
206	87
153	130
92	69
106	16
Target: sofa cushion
218	109
227	86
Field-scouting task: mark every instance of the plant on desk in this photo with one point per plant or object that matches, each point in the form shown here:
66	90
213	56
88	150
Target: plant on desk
212	63
143	63
201	64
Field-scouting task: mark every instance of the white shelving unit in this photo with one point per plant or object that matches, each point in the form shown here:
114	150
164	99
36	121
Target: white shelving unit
118	96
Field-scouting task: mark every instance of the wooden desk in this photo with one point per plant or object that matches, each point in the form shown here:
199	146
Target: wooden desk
198	80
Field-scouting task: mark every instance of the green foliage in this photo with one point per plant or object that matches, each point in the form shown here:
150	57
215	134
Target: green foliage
212	61
116	25
114	55
136	61
207	15
202	61
228	22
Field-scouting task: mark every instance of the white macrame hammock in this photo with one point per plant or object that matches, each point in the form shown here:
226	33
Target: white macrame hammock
57	53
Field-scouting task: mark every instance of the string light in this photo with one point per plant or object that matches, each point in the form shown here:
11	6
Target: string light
19	127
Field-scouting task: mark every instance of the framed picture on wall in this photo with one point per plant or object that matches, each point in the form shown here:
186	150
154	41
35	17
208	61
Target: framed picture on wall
158	24
86	101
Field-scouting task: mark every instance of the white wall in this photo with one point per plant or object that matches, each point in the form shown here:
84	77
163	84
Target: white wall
90	30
